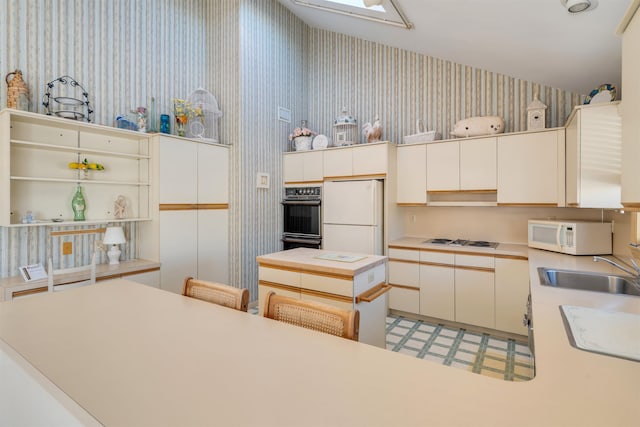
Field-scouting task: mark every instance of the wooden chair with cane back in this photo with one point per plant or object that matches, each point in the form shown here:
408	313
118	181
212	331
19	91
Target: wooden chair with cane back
313	315
216	293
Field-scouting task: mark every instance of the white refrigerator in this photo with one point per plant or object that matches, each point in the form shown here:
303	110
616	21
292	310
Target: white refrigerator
353	216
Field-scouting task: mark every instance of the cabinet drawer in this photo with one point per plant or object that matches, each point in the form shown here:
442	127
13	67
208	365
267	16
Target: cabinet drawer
53	135
332	285
283	277
340	303
404	299
475	261
437	257
404	254
404	273
97	141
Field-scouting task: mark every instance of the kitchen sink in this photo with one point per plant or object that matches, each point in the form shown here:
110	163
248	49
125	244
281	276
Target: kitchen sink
585	281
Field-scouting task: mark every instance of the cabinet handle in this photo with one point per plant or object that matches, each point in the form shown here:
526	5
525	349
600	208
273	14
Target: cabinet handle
373	293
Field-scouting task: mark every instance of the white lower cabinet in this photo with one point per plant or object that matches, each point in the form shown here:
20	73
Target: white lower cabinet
512	291
437	285
149	278
178	250
486	291
475	297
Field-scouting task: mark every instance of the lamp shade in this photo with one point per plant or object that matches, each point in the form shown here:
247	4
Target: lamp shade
114	236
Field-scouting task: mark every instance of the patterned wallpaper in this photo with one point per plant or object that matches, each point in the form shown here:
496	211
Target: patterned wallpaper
253	55
401	87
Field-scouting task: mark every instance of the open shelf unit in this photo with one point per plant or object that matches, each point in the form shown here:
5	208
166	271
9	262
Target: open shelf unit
35	176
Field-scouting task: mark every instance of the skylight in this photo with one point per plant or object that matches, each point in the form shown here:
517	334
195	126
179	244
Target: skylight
357	3
387	13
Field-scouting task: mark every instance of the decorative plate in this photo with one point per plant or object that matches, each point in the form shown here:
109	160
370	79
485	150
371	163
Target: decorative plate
320	142
603	93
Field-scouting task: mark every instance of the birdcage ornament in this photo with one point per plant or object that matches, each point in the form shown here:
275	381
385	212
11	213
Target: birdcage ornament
203	122
345	129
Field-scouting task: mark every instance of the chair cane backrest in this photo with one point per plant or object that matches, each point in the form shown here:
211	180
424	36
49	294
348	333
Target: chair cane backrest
216	293
75	276
313	315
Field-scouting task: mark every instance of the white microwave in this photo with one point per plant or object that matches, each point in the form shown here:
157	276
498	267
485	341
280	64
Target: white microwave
571	237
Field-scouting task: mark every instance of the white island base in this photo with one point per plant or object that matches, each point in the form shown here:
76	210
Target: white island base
345	280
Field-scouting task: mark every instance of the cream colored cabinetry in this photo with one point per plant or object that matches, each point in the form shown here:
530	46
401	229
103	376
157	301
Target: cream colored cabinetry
412	174
356	160
474	279
630	29
192	218
472	288
303	166
462	165
35	174
404	277
531	168
593	159
339	290
437	285
511	293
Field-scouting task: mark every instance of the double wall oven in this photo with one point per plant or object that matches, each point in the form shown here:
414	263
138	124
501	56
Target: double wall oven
302	217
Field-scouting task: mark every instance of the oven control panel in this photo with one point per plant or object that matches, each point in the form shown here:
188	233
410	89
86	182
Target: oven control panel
302	192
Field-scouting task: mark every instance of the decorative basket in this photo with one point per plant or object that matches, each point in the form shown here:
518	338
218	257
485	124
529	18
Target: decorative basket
302	143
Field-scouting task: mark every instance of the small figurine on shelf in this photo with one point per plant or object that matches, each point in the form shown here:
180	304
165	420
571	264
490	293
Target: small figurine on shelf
78	205
120	208
372	132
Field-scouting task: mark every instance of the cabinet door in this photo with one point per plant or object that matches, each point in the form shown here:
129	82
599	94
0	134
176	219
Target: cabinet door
179	171
437	291
531	169
213	174
443	166
475	297
630	113
437	285
370	159
478	160
512	290
178	248
312	166
338	162
213	245
412	174
293	167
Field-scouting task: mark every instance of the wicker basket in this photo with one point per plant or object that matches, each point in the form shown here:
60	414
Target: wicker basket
15	88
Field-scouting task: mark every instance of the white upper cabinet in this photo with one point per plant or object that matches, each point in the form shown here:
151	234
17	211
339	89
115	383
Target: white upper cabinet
176	180
411	174
443	166
356	160
213	174
594	156
531	168
478	164
303	166
631	110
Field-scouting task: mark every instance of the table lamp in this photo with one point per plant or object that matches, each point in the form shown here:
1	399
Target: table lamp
114	236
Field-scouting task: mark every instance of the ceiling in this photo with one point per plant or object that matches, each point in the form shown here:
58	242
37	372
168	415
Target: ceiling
535	40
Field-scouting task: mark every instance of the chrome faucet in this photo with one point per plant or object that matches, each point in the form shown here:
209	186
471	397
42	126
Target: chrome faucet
635	273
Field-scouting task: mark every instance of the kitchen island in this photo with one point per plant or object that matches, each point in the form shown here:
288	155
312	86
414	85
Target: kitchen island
345	280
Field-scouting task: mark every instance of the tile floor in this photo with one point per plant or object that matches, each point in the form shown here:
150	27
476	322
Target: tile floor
479	353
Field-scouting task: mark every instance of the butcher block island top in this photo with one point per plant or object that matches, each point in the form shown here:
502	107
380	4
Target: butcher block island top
320	261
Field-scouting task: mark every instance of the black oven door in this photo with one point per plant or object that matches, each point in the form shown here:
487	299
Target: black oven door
302	218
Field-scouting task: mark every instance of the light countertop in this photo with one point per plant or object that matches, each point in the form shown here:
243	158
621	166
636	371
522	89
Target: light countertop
175	376
305	259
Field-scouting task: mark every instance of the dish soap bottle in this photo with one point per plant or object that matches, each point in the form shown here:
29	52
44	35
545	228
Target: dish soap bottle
78	205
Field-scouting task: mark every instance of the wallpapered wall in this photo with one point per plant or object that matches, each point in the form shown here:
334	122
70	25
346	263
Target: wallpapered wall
253	56
402	86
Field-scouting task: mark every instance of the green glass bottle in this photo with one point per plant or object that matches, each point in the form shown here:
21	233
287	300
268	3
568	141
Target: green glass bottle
78	205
